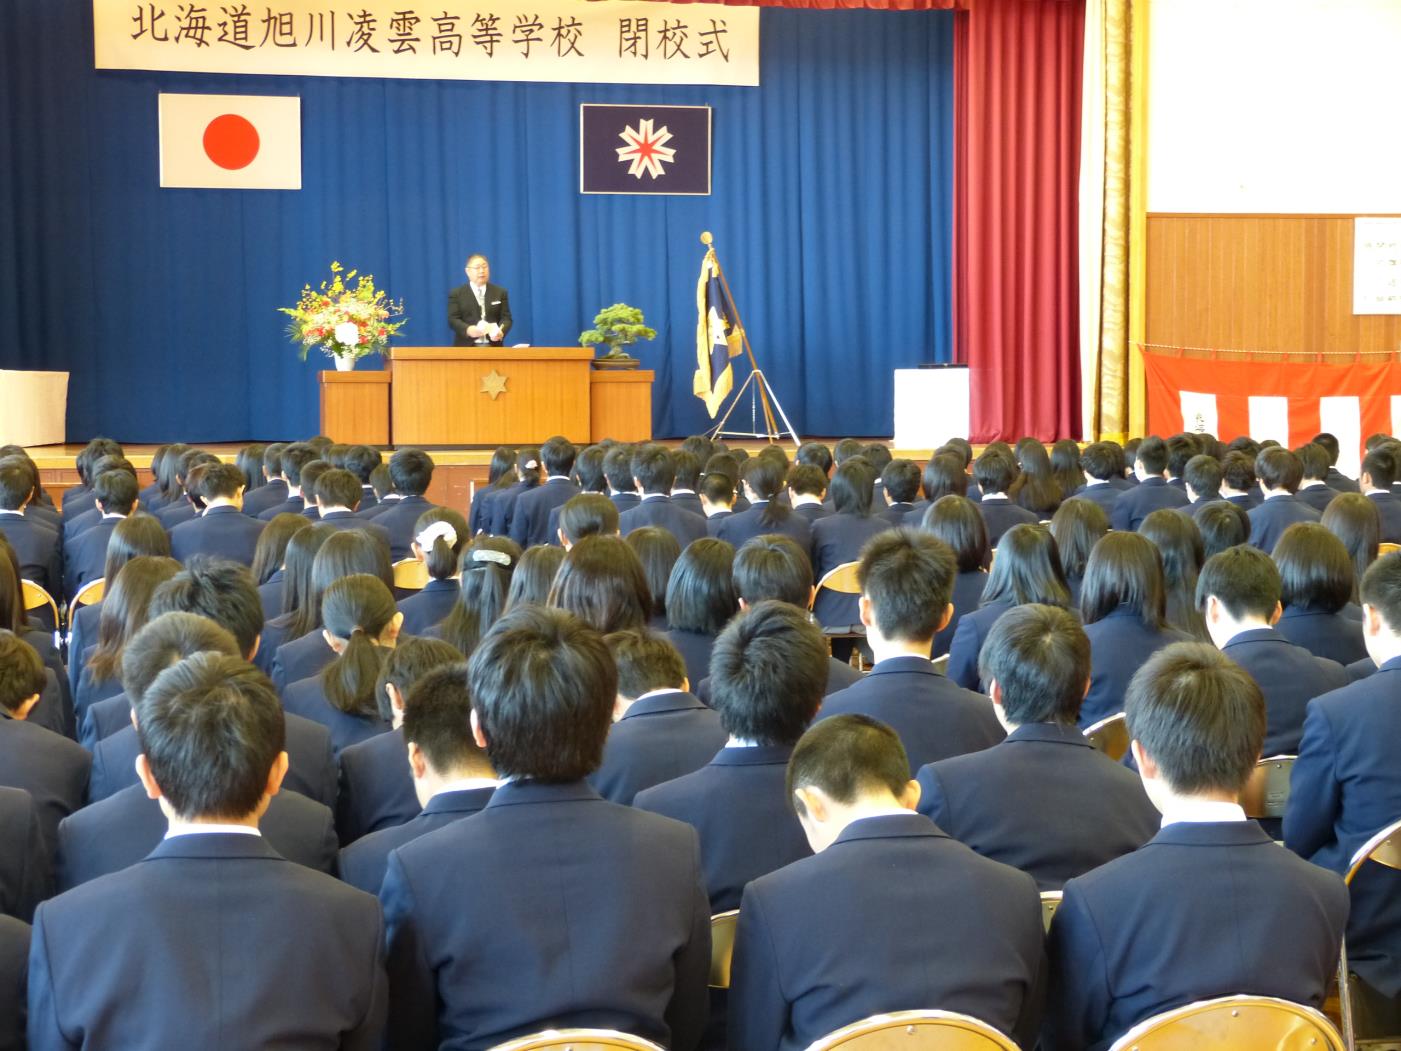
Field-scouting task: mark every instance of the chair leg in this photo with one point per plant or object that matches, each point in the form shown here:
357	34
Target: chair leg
1345	1000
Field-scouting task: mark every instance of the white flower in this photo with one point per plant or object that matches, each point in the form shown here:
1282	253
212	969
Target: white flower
347	334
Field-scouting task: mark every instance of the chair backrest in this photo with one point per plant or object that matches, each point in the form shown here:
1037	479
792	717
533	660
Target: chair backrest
1384	848
1050	902
1110	736
916	1031
722	947
578	1040
1387	547
841	579
90	592
410	574
1234	1023
1268	788
36	597
941	664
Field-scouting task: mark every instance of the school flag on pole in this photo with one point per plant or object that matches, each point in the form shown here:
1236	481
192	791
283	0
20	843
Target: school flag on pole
718	337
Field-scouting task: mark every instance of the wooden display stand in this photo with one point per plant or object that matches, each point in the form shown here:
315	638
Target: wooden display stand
489	395
36	405
355	407
620	405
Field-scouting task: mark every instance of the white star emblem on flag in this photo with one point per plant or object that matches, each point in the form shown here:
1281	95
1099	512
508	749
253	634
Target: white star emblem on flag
646	149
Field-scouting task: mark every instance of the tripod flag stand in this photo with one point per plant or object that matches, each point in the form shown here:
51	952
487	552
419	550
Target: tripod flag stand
720	336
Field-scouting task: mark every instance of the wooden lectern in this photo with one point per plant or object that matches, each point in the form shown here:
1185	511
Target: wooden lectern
489	395
355	407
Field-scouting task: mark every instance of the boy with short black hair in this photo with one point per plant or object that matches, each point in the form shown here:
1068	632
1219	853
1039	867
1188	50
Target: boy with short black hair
1152	492
223	530
1280	473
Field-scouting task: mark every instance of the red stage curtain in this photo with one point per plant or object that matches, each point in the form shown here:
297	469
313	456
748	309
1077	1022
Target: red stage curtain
1017	73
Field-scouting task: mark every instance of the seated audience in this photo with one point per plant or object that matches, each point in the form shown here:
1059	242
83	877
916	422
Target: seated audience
338	495
1147	932
1223	525
839	538
717	493
534	576
311	477
1313	488
1317	588
1036	488
660	731
683	486
35	541
1356	522
501	474
654	471
900	481
1280	473
293	458
484	569
601	582
1179	543
1238	593
956	521
608	925
1152	492
274	491
588	514
86	554
300	613
222	530
1065	465
362	461
75	525
617	472
530	522
361	625
762	480
1100	463
269	561
807	485
1378	480
700	600
440	537
411	471
1337	481
209	911
452	776
376	784
1238	483
529	475
944	475
1077	527
767	674
1044	800
889	915
658	551
996	473
906	580
1202	477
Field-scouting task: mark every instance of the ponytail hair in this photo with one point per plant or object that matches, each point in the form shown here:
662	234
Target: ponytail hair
765	475
357	608
440	534
488	563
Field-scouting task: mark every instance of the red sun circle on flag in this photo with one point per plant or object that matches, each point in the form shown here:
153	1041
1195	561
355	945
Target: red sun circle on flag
231	141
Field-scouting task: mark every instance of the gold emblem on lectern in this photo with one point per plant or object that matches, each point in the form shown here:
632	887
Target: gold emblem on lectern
494	383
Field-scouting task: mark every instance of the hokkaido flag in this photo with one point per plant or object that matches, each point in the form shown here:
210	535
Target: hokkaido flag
248	142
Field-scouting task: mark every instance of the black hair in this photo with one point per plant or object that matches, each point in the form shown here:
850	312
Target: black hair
846	757
272	459
1065	467
339	488
501	472
588	514
1125	572
294	458
21	671
1223	525
211	728
878	454
1245	445
1381	589
16	485
700	593
440	557
361	460
487	564
218	589
249	462
646	661
601	582
1077	526
957	521
1179	545
718	488
853	487
1199	716
166	640
657	549
845	449
995	471
1040	657
1102	461
617	469
944	475
271	549
1027	569
544	686
1355	520
358	608
220	480
1279	469
653	469
1203	474
1036	487
13	616
1313	462
1380	466
301	602
901	481
588	470
1181	449
687	470
1329	444
132	537
1152	453
1238	471
335	453
534	576
92	452
807	480
908	577
1243	579
380	481
764	475
773	566
558	455
438	719
124	610
410	660
1315	569
814	454
768	673
116	490
311	476
411	471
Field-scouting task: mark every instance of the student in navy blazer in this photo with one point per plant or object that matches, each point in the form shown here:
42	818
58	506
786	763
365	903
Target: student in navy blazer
223	530
1378	475
839	537
271	494
1238	593
996	470
86	557
36	543
1152	492
26	876
530	519
906	582
1027	569
1100	463
452	776
610	928
762	478
210	908
889	915
411	471
14	968
807	486
1345	785
117	832
1044	800
768	672
1148	932
1280	472
376	784
1318	578
51	768
660	732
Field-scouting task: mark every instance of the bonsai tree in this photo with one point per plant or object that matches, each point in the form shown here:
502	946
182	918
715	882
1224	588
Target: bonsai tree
617	326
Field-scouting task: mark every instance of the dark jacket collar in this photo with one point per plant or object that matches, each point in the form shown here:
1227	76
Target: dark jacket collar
1053	733
1256	635
759	755
906	665
214	845
1154	481
1392	665
520	792
891	826
1212	834
468	801
671	701
332	516
222	509
434	584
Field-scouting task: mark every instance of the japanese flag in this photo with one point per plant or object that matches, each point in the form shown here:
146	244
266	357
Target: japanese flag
249	142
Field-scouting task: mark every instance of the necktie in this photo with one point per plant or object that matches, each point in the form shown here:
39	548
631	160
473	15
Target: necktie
481	307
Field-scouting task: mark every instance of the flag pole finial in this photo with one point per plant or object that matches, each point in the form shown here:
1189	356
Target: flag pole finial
706	239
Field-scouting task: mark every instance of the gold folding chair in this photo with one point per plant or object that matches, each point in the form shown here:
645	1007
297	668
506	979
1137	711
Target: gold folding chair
1234	1023
1386	548
941	664
916	1031
578	1040
1050	902
722	947
36	597
410	574
1385	849
1267	791
841	579
89	593
1110	736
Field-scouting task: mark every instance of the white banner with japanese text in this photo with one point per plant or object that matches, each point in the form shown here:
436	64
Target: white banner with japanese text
606	41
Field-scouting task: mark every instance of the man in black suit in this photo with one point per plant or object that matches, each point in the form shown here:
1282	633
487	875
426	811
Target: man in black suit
608	925
660	731
411	471
654	471
530	520
1197	913
223	530
1238	593
1280	473
50	767
768	671
452	776
479	312
36	543
906	579
920	920
1044	800
238	945
1153	492
995	471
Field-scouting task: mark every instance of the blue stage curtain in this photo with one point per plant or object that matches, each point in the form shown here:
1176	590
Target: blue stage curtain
831	213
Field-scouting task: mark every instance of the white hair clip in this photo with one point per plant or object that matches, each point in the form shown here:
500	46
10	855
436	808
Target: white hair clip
531	465
437	529
483	554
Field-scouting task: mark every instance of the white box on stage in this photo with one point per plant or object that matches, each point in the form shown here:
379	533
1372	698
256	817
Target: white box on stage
931	406
36	405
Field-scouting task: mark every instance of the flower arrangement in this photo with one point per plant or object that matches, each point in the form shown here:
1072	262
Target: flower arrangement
617	327
345	322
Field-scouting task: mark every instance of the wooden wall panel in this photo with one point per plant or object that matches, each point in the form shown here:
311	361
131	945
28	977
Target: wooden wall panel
1258	282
